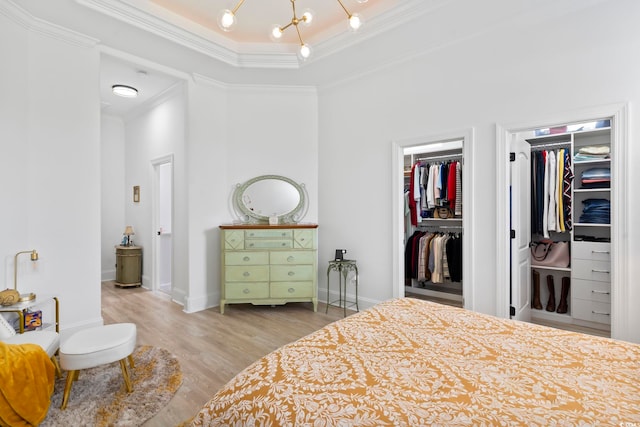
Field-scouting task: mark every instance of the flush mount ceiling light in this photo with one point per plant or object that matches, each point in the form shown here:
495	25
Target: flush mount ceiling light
124	91
227	21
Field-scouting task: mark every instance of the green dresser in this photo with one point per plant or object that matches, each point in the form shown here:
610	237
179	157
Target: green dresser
128	266
269	264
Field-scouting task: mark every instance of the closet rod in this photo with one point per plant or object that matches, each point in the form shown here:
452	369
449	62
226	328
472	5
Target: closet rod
538	147
448	156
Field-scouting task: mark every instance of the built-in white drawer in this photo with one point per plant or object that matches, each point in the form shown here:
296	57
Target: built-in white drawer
291	289
247	290
292	257
290	273
246	258
591	290
595	251
268	244
277	233
592	311
591	270
246	273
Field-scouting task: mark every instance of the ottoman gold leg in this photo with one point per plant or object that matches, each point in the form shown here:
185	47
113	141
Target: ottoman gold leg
130	357
125	375
71	377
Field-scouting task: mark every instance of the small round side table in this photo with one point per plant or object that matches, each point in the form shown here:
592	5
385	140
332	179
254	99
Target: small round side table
343	268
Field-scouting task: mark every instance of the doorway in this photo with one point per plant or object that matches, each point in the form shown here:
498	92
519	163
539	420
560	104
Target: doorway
521	282
162	220
451	148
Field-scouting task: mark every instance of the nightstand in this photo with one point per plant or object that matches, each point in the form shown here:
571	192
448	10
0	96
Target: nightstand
128	266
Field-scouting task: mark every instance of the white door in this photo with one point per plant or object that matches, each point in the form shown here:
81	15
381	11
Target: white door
163	209
520	225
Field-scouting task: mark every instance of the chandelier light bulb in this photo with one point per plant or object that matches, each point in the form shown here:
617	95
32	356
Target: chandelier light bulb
304	52
226	20
355	22
307	17
276	33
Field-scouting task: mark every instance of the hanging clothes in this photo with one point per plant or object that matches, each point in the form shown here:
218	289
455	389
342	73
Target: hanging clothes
551	180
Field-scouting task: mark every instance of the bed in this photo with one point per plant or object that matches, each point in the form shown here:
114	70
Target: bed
414	362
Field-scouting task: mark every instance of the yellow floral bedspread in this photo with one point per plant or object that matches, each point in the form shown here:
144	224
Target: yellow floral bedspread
409	362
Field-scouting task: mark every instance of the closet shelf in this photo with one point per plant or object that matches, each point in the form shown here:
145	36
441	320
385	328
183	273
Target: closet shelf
591	162
588	224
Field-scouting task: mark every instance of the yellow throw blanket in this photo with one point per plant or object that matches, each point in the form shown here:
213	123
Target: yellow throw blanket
26	384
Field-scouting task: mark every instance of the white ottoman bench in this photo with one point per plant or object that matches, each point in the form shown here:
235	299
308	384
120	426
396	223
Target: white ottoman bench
97	346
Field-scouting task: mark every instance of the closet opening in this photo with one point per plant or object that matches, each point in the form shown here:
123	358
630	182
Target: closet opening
449	218
433	221
561	205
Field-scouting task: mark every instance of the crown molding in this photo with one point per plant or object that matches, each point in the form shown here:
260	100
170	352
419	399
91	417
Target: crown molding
170	26
169	93
44	28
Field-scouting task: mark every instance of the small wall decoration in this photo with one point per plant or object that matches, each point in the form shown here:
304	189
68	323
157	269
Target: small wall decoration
136	193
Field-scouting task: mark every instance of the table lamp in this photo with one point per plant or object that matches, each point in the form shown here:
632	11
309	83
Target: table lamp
34	257
128	231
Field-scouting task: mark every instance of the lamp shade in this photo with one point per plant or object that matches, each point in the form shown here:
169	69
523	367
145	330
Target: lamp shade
128	231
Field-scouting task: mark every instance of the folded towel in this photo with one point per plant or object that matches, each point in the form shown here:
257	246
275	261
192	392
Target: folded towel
594	149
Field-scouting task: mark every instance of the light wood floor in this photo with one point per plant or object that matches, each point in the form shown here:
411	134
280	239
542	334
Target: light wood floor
212	348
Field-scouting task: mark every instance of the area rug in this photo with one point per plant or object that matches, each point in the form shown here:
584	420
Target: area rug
99	396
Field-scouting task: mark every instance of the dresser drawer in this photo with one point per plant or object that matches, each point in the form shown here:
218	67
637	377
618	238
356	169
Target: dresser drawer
268	244
246	290
304	239
592	311
293	257
291	289
591	290
246	258
246	273
233	239
277	233
591	270
595	251
288	273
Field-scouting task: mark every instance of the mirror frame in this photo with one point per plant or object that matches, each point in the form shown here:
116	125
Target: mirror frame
249	216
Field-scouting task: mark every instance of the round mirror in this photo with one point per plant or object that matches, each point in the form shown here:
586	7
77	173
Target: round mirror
270	196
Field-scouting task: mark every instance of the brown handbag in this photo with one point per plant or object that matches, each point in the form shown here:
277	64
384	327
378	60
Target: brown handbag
550	254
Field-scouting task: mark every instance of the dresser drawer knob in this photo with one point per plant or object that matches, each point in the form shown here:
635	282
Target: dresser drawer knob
284	234
246	258
595	291
246	291
291	290
600	271
284	244
246	274
600	312
291	273
291	258
251	245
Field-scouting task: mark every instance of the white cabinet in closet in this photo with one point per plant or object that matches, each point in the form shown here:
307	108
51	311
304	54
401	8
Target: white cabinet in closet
591	249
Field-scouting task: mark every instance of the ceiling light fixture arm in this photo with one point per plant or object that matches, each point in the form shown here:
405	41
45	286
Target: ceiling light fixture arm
345	9
235	9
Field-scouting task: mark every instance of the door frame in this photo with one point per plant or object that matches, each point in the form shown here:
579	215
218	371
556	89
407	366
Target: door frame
619	214
155	223
397	206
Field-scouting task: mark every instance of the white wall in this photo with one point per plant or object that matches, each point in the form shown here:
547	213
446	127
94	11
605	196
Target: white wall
237	133
112	191
50	149
516	71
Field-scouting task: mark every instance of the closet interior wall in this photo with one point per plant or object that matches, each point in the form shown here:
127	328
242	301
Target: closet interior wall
579	294
438	230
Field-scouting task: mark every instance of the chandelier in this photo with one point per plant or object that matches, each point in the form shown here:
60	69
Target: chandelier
227	21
